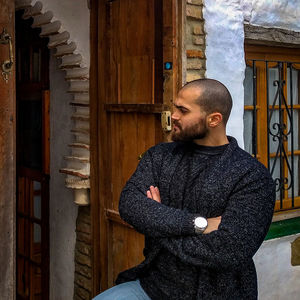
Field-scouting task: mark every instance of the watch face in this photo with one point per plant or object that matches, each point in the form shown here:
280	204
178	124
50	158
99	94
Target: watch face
201	222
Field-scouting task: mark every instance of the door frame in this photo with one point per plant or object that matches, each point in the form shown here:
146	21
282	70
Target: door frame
7	160
172	51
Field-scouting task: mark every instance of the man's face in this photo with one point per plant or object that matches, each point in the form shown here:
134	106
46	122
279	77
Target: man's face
189	120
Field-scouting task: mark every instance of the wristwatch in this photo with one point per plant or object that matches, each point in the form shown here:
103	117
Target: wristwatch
200	224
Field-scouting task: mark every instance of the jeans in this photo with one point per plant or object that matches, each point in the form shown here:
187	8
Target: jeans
131	290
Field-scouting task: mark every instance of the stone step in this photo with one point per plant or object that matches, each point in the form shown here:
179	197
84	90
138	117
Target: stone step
80	104
79	86
77	73
80	117
82	97
80	145
77	158
42	19
32	11
65	49
80	131
50	29
71	61
58	39
74	172
77	183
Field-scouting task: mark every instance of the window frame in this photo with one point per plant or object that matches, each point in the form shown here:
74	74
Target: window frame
261	54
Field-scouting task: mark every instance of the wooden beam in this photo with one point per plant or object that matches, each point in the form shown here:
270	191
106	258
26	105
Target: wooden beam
139	108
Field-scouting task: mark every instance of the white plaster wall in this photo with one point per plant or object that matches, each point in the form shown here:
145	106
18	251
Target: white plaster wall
225	55
277	278
224	22
63	211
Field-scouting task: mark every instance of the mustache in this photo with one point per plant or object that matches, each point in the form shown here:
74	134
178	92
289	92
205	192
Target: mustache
175	122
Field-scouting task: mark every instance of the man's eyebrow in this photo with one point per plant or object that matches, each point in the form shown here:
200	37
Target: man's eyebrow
180	106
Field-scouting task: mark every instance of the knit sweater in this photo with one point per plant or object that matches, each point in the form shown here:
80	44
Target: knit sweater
235	186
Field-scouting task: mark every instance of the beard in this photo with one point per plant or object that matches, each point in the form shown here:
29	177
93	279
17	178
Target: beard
190	133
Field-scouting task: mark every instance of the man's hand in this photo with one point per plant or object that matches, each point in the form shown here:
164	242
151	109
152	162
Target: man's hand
153	193
212	224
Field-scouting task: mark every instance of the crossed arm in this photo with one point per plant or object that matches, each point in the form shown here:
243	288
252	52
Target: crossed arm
212	223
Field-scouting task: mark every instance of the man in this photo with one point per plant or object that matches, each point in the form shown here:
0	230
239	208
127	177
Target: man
203	204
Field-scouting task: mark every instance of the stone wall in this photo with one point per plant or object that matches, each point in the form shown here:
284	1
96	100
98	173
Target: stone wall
83	262
194	40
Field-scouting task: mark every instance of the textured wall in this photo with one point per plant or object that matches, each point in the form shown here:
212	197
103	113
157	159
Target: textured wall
194	40
83	261
63	211
277	278
224	27
225	55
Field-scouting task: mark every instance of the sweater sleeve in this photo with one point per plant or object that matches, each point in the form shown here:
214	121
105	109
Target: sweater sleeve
146	215
243	228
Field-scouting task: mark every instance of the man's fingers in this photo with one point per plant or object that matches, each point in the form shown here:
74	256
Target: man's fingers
149	194
155	193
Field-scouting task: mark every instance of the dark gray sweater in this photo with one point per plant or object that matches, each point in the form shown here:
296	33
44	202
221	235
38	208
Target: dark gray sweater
218	265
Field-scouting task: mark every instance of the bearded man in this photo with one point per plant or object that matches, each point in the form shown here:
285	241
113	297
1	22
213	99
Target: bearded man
203	204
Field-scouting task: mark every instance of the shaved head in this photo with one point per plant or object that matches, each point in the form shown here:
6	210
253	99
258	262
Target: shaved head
213	96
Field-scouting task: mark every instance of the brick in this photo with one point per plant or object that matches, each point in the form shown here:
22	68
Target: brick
195	2
193	11
190	76
82	259
195	64
83	270
295	255
197	40
83	227
193	75
83	237
83	248
76	297
194	53
198	29
84	282
83	215
82	293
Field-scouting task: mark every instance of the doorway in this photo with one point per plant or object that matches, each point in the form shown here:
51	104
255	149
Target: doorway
33	174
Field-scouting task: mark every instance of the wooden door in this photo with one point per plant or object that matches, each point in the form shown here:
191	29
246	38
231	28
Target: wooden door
7	159
32	162
136	40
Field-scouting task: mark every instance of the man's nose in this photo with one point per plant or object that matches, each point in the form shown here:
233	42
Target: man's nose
174	116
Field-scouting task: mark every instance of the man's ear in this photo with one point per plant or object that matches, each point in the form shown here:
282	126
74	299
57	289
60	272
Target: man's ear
214	119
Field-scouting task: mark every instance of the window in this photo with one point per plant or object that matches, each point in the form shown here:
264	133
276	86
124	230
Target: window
272	117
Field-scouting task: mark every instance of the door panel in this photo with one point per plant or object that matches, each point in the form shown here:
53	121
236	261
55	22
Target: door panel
129	89
32	212
132	50
135	88
32	236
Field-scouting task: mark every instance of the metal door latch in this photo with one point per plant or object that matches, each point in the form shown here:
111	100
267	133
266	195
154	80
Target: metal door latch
166	120
6	66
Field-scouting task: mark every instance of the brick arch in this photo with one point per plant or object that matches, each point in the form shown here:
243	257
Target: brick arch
77	168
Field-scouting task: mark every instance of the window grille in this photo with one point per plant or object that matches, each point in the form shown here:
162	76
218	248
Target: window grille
271	124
